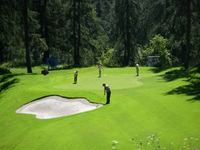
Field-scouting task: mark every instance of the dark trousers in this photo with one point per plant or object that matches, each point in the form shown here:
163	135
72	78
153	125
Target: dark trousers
108	97
75	79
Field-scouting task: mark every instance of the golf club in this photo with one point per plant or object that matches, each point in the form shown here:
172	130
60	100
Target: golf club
100	100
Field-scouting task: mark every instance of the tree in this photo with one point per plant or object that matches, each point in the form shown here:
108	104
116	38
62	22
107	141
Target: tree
125	26
178	24
107	57
41	7
188	31
26	40
84	27
77	31
195	33
11	31
157	46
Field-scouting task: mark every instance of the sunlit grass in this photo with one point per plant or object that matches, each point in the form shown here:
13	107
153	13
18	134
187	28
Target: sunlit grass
145	105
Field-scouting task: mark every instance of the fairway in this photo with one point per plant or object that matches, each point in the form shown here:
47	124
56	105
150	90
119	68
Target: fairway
141	106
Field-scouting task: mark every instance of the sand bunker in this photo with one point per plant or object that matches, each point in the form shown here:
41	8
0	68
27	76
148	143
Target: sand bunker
55	106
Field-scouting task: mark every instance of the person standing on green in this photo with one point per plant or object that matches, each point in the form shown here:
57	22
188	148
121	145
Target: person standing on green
100	67
75	77
108	91
137	68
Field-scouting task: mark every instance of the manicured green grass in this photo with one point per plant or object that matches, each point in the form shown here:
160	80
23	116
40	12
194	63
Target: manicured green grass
144	105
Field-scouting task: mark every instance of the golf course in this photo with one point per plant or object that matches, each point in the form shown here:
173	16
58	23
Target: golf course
154	110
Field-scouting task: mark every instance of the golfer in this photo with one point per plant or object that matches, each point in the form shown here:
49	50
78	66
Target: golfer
100	67
108	91
75	77
137	68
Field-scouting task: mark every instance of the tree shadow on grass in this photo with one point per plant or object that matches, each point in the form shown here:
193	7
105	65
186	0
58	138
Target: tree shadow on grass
176	74
158	69
192	89
7	81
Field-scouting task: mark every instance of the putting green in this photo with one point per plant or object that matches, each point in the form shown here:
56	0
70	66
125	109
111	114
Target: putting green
95	83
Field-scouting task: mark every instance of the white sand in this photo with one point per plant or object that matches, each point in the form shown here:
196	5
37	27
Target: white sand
55	106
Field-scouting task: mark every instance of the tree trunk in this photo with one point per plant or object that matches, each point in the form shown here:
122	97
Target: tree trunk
1	52
79	33
98	9
45	19
188	30
41	18
74	33
44	30
127	37
26	40
125	52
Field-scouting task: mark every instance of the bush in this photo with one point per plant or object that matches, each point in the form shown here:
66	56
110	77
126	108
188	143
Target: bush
107	57
157	47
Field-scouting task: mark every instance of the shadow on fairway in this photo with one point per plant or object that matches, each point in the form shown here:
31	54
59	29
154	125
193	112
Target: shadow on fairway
192	89
176	74
158	69
7	81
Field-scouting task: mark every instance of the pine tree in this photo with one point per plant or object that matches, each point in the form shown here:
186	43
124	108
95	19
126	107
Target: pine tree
125	27
26	40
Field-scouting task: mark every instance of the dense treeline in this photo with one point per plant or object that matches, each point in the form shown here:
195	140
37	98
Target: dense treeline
84	32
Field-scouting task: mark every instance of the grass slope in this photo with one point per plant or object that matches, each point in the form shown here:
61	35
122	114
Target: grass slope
139	106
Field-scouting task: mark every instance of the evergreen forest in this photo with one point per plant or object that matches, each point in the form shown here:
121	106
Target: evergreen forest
87	32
